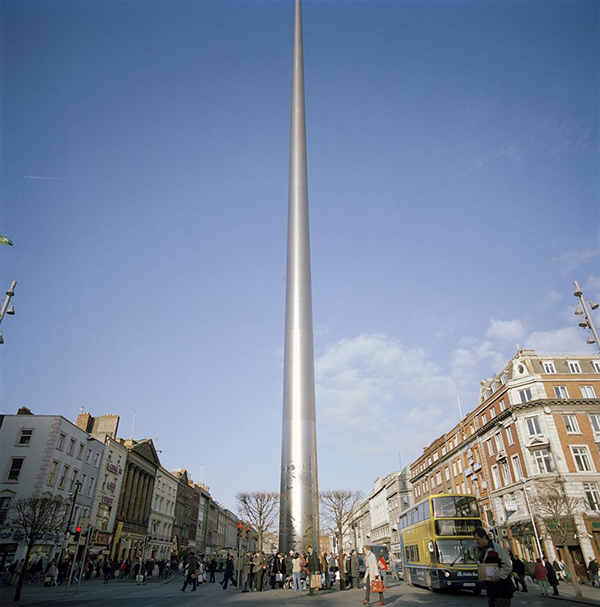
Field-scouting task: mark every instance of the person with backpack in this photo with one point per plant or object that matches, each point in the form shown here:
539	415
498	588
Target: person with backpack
499	586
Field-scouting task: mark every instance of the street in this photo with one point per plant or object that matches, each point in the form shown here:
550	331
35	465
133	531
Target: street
165	594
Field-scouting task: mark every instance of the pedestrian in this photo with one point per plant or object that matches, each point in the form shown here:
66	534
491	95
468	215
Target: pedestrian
499	586
540	575
593	569
519	572
372	575
246	569
354	570
297	572
324	566
559	567
107	570
228	576
312	568
192	572
212	567
552	579
52	573
259	570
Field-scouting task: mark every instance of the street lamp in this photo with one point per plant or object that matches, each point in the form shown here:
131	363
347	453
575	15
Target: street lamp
526	489
5	309
582	310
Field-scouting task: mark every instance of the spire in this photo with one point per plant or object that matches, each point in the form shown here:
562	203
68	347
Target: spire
299	516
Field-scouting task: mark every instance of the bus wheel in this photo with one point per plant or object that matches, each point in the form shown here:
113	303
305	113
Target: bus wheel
477	591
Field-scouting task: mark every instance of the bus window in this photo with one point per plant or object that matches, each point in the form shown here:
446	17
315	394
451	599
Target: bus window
457	552
450	506
456	526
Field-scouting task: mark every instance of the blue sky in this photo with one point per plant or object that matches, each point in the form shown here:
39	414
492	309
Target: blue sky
453	189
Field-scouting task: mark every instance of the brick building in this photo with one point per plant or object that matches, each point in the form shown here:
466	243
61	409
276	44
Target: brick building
537	424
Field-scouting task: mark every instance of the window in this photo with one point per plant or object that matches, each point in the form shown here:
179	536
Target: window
53	470
110	455
596	365
71	447
517	470
454	468
63	478
588	392
73	480
595	421
571	424
119	460
83	479
581	456
549	366
88	455
25	437
459	465
592	494
438	477
506	473
435	456
484	419
499	442
16	463
96	459
574	366
91	486
490	446
502	405
447	472
496	477
61	441
493	413
533	425
561	392
443	451
105	482
525	395
4	508
542	459
509	435
503	378
81	450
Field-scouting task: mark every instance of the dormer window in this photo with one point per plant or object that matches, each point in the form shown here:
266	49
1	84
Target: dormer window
574	366
503	378
549	366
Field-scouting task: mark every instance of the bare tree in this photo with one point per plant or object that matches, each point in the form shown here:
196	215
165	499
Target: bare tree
336	515
35	517
557	510
260	509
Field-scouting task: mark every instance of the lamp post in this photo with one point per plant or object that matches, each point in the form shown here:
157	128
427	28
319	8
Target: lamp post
5	309
537	537
587	321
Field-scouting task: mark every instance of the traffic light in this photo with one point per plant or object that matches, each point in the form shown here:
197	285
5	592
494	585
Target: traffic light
240	529
77	534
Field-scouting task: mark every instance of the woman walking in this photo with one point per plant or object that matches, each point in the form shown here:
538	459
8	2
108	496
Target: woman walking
540	573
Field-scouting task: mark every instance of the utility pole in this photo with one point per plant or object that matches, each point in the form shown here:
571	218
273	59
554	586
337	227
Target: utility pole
587	321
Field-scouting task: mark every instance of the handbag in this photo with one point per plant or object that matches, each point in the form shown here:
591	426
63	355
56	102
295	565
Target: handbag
316	581
377	586
279	577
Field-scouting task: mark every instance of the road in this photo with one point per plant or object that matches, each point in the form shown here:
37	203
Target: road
160	594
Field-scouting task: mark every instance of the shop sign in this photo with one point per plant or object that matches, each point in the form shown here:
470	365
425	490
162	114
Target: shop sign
112	485
114	468
107	500
101	538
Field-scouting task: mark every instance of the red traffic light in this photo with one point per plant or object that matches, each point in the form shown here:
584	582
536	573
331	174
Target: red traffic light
247	528
77	529
240	525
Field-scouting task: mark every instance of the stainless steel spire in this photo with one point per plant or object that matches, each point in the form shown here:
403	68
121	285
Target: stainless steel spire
299	517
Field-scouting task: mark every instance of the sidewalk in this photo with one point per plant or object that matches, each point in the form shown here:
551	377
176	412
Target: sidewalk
591	595
34	594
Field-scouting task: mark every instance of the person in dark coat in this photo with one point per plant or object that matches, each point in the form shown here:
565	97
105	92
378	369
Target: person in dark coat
552	579
212	567
354	570
229	567
519	571
312	566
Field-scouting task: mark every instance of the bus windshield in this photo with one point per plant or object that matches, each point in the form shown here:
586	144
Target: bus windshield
457	552
455	506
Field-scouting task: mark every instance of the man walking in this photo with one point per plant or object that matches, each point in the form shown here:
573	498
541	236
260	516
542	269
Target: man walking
192	572
312	566
228	572
519	570
371	574
354	570
499	586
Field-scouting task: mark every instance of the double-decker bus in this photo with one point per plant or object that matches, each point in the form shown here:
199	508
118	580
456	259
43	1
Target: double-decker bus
436	539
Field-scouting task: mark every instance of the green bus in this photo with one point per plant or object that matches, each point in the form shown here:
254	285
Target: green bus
436	540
